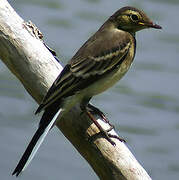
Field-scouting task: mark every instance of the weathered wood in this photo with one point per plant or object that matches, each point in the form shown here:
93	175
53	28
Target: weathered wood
30	61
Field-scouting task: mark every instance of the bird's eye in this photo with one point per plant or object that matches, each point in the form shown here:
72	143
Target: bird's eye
134	17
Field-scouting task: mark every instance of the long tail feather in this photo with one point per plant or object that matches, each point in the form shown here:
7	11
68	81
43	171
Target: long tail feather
35	143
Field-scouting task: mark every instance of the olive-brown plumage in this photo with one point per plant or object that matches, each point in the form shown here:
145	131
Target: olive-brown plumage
98	64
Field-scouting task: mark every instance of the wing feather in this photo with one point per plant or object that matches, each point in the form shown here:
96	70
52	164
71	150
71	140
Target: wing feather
99	64
85	68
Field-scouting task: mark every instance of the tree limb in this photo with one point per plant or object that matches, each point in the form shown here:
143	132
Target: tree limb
30	61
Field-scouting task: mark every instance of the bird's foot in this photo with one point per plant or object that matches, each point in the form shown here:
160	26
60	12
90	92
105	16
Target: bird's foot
108	136
106	133
116	137
99	112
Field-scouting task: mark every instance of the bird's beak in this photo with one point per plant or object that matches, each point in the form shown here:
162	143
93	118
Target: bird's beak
150	25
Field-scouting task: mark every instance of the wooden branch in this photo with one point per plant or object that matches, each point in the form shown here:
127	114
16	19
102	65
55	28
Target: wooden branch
30	61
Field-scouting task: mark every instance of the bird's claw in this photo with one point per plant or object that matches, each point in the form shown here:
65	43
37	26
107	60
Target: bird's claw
90	109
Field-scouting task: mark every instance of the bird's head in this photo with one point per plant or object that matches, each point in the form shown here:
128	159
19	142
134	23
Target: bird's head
132	20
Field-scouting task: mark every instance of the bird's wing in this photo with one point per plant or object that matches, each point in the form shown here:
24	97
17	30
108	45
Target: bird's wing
88	65
100	63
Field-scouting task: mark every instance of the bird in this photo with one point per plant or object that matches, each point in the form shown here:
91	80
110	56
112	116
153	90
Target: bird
99	64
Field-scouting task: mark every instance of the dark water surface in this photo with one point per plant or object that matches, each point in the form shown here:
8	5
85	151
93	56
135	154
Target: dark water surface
144	106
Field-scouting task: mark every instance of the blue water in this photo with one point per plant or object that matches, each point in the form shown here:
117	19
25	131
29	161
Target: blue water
143	106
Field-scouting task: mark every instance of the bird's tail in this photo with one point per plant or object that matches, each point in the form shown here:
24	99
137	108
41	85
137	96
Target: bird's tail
49	119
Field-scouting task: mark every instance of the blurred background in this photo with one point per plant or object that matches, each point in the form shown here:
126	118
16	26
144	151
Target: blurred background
143	106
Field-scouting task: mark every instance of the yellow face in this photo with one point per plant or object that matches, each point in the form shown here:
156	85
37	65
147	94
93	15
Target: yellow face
132	20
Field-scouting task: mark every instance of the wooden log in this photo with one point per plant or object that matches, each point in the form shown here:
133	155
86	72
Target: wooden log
30	61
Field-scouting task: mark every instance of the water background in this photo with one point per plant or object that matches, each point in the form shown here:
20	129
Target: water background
143	106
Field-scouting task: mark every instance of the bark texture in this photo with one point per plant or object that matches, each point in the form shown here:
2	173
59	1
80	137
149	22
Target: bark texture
30	61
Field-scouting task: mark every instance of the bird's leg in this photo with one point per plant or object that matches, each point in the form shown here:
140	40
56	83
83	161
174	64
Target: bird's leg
84	107
105	132
100	113
100	127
